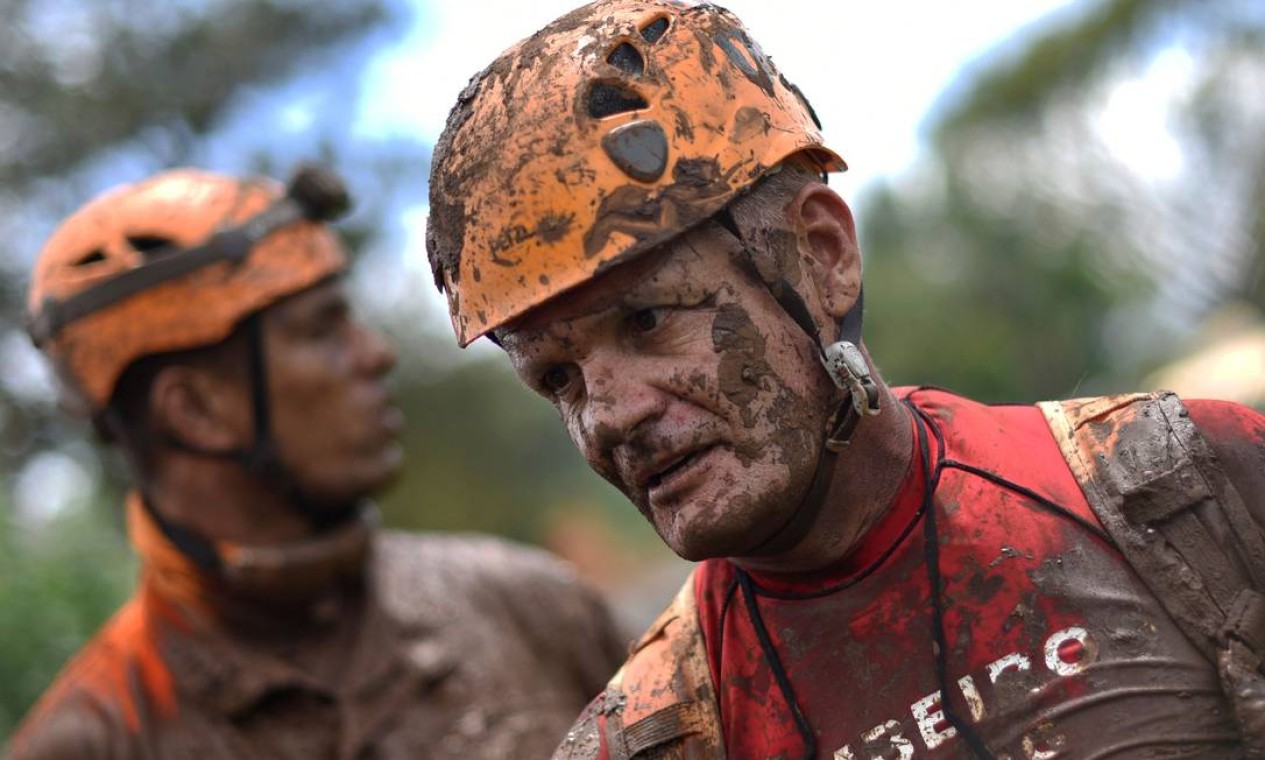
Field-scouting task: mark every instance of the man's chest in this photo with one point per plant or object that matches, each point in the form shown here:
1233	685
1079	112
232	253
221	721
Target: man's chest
457	714
1053	649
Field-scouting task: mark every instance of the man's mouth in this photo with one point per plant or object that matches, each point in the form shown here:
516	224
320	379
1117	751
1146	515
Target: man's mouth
393	420
675	467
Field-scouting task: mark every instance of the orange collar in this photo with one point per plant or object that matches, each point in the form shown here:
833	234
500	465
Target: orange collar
293	580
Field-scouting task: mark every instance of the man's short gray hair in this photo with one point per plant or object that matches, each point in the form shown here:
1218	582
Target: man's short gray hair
764	207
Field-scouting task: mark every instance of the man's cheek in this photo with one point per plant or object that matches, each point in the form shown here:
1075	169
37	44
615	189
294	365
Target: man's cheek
587	447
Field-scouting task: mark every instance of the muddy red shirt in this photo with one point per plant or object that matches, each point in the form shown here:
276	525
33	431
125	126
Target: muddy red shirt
1056	649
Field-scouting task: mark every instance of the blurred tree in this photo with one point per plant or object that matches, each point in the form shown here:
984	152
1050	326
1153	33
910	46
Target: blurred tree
58	582
83	78
1088	197
487	454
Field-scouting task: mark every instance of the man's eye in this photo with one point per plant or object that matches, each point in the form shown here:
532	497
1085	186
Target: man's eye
645	320
555	379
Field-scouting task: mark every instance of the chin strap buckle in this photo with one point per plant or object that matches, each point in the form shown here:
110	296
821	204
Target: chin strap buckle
847	368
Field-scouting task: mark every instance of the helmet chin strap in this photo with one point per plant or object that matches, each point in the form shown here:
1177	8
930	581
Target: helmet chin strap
847	369
261	459
846	366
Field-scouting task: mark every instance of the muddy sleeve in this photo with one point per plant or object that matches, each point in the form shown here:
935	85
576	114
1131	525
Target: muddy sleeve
1236	435
584	740
67	731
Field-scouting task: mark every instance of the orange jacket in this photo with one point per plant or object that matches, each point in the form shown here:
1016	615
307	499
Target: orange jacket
446	647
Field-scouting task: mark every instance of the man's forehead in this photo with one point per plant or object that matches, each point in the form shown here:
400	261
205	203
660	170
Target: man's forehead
605	291
690	259
331	291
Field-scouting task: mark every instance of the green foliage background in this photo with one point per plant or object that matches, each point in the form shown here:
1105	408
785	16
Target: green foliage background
57	584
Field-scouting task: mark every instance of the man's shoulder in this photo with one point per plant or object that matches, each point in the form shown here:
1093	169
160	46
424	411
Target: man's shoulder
1236	437
464	576
1235	433
662	696
463	560
82	713
956	410
1008	438
1226	421
461	583
65	730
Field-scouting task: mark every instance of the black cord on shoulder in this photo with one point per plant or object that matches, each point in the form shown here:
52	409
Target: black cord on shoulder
1045	503
775	663
1041	501
931	544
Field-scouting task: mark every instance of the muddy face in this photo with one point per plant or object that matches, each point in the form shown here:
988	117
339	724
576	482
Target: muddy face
686	386
335	423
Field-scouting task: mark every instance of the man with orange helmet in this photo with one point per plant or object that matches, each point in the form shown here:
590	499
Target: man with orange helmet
202	321
632	204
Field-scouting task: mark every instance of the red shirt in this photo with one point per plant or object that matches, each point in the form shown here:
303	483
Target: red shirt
1056	649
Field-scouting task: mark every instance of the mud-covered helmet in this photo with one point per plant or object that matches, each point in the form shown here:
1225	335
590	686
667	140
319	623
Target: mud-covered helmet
610	131
175	262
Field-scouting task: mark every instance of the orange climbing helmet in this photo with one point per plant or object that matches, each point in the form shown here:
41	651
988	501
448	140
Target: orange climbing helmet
612	130
176	262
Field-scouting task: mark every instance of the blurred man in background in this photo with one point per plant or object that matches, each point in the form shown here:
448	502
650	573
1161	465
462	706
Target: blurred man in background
201	321
632	203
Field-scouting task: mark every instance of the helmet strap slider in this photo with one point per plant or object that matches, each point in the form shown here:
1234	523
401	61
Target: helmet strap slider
846	366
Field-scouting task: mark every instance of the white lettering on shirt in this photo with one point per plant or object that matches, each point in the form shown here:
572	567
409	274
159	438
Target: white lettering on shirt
1014	661
1068	652
973	699
1065	653
893	730
931	720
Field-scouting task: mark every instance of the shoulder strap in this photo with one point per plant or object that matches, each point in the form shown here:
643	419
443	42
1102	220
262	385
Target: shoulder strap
1164	499
662	703
1166	502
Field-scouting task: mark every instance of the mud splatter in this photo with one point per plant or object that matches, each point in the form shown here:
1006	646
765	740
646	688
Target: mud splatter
749	122
743	364
743	374
747	57
554	227
640	212
682	125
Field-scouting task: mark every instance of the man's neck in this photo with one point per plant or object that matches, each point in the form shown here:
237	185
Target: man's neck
221	502
867	475
273	564
259	591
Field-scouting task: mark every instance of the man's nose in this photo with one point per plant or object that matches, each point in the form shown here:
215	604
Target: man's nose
377	353
621	397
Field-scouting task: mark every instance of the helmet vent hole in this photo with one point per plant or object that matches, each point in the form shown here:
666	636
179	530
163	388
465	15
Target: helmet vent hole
92	257
653	31
607	100
151	246
627	59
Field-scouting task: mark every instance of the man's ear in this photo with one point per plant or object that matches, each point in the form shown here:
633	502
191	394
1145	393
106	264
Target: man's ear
827	238
199	408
